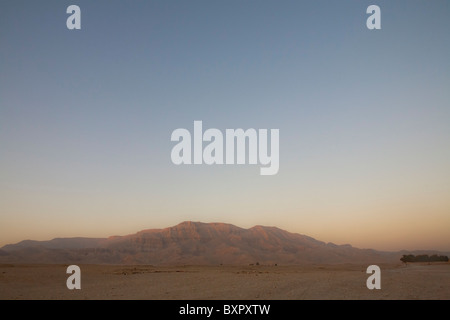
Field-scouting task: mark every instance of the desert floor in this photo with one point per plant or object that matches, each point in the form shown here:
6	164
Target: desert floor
415	281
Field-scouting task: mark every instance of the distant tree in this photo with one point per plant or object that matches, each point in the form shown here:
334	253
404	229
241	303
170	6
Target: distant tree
423	258
404	259
407	258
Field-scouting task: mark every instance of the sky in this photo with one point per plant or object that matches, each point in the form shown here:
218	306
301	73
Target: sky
86	118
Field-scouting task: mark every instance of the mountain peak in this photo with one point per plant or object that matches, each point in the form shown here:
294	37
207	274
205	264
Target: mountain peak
191	242
189	223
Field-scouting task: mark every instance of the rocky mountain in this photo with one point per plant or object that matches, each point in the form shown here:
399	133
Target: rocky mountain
193	243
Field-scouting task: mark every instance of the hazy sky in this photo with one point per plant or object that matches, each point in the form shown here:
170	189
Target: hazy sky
364	117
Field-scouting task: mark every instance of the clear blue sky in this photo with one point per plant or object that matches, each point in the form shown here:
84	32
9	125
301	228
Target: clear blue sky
364	117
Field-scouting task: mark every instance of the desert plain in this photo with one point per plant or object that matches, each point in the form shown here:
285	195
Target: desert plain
251	282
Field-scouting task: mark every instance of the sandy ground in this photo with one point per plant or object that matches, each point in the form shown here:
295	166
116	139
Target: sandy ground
415	281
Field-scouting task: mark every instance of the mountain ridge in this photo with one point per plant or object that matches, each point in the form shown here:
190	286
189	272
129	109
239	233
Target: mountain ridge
192	242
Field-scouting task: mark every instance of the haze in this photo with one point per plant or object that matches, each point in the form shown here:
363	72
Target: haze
86	118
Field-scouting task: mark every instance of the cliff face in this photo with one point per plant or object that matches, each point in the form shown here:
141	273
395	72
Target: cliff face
192	243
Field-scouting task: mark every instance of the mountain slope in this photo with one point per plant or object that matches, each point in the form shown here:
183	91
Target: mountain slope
193	243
